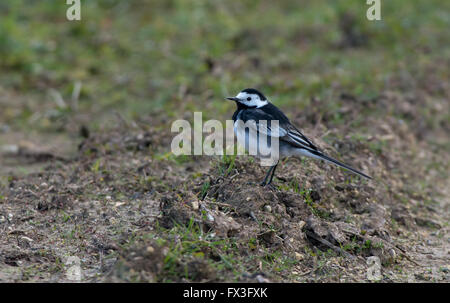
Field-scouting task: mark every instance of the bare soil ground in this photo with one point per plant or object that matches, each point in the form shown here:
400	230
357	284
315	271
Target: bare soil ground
130	212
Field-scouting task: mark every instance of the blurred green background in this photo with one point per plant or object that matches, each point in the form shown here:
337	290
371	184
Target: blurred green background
167	57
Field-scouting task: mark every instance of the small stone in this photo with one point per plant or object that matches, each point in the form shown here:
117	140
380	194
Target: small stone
392	253
301	224
210	217
268	208
26	239
299	256
150	249
268	237
248	198
119	204
195	205
261	279
44	185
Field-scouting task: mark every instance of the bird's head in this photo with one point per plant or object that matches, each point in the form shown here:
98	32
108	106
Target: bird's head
250	97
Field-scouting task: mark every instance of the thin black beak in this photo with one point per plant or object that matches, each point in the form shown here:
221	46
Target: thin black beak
233	99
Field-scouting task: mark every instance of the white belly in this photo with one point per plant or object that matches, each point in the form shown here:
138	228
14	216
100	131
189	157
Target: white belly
257	144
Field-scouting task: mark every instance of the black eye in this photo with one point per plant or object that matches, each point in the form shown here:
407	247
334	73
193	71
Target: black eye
248	99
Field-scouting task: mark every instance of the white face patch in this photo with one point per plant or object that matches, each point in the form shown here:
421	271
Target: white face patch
251	99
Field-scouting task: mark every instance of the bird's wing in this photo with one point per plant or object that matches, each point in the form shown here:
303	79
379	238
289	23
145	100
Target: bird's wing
296	138
262	122
292	135
287	133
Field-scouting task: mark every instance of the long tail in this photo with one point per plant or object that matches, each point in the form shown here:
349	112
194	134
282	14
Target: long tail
319	155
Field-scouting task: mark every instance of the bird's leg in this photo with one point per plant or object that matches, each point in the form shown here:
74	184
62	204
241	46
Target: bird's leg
267	176
273	173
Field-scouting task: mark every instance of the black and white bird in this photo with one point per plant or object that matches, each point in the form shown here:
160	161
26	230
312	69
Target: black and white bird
253	106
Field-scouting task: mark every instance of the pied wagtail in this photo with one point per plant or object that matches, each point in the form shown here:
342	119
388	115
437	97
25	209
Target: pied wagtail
253	105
